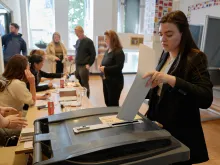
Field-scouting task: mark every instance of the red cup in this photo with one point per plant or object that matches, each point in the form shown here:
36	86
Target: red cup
62	83
50	107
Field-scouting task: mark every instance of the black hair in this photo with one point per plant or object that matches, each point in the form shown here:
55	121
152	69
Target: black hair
15	25
35	59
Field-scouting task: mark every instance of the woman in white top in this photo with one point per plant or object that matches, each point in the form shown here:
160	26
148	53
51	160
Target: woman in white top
13	90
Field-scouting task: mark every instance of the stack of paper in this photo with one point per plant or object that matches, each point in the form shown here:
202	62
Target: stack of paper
28	145
70	103
27	134
68	98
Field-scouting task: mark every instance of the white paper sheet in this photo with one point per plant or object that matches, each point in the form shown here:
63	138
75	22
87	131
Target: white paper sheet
70	103
138	90
41	103
28	144
68	98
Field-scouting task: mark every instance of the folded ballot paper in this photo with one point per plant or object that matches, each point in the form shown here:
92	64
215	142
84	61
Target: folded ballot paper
138	90
26	134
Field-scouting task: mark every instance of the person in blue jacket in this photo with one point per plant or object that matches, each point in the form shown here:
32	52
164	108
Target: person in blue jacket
13	43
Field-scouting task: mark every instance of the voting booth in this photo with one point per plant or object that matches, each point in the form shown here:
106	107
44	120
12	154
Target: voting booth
108	135
96	136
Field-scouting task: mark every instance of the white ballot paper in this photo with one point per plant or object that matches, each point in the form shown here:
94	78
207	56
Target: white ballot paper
138	90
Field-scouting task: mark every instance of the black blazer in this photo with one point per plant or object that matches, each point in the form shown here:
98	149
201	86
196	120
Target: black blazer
40	74
177	109
114	63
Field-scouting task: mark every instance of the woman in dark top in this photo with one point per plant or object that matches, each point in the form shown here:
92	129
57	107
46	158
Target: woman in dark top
36	63
180	86
111	69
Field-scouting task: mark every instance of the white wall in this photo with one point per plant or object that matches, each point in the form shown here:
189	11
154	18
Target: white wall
198	16
104	17
61	15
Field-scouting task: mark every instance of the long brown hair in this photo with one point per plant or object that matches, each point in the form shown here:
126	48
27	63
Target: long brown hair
187	43
114	40
37	52
15	69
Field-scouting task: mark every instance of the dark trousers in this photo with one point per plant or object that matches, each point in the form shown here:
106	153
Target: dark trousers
59	67
112	90
82	74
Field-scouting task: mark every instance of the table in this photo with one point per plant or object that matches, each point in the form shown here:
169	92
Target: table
33	114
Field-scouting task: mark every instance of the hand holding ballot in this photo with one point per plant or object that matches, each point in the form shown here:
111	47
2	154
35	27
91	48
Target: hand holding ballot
157	78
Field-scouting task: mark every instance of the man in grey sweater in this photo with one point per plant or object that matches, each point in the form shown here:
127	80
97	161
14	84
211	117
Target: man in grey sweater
85	57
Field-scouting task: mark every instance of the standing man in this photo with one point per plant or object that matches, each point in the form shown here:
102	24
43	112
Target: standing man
12	43
85	57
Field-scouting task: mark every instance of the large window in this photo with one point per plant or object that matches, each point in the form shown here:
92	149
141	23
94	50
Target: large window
131	16
76	16
79	14
42	21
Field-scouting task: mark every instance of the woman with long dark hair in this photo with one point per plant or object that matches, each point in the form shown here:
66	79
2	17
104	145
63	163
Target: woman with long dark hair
36	60
180	86
111	69
14	92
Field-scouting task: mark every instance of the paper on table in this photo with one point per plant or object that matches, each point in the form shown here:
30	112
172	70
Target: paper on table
40	103
113	119
28	144
70	103
27	130
138	90
67	89
68	98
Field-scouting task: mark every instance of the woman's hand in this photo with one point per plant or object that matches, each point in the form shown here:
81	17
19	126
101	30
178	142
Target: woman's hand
87	66
102	68
158	77
44	97
30	77
4	110
50	85
57	59
16	122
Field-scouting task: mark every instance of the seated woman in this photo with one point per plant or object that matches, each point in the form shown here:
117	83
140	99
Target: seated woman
13	90
37	61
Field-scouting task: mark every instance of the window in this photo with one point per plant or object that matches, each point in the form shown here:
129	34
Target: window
79	14
76	17
42	21
131	16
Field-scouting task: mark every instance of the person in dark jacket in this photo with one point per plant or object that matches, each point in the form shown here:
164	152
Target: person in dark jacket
180	86
85	57
36	63
111	69
13	43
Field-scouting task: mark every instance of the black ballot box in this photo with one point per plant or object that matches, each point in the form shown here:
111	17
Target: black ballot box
89	137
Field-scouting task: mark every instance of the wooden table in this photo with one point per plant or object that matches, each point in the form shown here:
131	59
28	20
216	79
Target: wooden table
33	114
